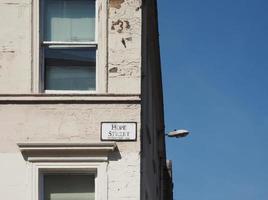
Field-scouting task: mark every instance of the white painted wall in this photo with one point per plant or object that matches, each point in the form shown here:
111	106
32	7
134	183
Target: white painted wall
56	120
15	46
66	123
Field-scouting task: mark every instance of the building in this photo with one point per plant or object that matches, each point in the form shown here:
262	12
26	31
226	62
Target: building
81	108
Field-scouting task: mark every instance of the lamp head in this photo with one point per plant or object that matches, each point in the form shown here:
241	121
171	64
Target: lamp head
178	133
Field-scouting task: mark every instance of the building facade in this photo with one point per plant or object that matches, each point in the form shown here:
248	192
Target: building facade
81	107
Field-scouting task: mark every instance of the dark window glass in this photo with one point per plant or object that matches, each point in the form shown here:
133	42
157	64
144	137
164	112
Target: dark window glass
70	68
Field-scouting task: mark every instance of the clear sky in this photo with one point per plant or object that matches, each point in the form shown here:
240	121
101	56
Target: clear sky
215	73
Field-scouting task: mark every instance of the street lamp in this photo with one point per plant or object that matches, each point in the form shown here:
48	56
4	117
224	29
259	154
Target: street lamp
178	133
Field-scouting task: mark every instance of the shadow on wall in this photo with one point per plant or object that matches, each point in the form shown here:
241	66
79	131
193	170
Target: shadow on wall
115	156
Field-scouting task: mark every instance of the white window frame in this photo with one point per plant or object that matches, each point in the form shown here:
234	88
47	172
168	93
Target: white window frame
61	171
67	157
101	38
99	169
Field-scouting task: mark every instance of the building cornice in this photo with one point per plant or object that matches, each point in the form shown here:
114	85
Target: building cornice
69	98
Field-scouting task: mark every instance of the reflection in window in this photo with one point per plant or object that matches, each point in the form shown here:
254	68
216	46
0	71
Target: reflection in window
69	187
70	69
69	20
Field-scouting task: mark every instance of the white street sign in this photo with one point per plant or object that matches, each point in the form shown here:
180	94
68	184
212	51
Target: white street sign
123	131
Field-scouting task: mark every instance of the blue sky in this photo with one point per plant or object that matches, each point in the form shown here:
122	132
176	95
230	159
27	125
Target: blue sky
215	75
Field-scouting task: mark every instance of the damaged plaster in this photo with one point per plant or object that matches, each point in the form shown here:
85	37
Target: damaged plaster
116	3
124	62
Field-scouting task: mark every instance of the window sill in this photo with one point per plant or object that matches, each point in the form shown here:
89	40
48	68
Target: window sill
70	92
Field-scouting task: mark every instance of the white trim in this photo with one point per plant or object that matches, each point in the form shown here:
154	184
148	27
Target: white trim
96	21
72	46
66	43
97	79
102	50
99	169
70	91
100	43
67	152
65	144
31	146
36	64
68	159
72	97
58	44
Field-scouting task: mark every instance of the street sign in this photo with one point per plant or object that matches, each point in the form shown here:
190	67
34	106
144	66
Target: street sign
119	131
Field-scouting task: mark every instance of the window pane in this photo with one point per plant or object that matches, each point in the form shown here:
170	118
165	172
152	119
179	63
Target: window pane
69	20
70	69
69	187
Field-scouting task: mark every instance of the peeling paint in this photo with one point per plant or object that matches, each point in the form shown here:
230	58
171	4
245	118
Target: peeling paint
124	46
113	70
138	8
120	25
116	3
125	69
7	51
127	24
124	42
129	39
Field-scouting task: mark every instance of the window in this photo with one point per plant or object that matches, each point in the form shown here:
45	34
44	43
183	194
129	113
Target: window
68	186
67	171
68	45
